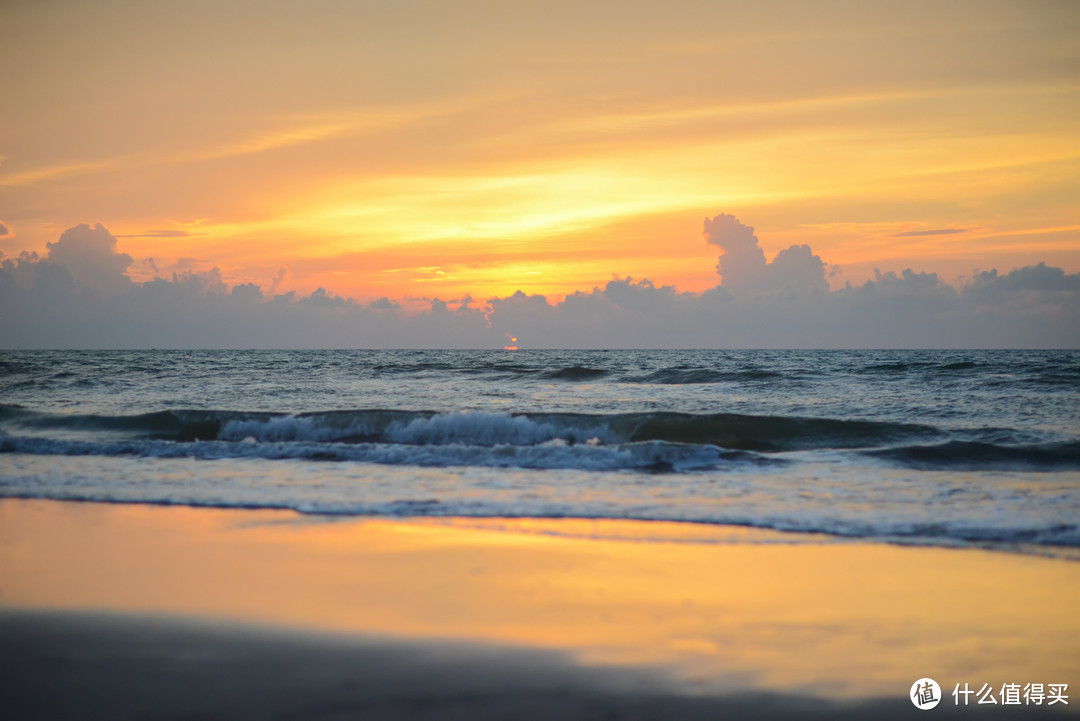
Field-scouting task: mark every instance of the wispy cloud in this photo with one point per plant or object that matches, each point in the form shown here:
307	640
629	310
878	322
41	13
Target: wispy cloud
58	172
932	231
289	131
271	140
161	233
314	127
1035	231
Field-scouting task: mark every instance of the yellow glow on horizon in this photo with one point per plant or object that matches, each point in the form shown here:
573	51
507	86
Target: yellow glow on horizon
530	206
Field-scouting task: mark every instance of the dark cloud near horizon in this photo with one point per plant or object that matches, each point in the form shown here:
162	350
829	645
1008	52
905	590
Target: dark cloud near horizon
89	255
935	231
79	296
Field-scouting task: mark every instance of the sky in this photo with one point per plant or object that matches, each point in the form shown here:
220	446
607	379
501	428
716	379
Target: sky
403	157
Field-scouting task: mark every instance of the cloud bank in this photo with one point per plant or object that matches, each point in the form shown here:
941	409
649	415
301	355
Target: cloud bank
80	296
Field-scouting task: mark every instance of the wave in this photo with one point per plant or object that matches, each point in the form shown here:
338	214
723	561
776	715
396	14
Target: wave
648	456
959	366
1068	377
666	376
969	455
421	367
690	376
172	425
576	373
725	430
932	367
658	440
897	367
511	369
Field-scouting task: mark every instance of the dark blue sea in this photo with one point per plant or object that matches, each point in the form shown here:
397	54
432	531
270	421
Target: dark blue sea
950	448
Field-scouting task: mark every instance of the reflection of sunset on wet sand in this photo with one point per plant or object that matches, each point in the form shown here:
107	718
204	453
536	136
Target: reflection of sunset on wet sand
720	608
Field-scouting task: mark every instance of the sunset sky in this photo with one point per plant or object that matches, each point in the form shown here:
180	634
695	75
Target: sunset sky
438	149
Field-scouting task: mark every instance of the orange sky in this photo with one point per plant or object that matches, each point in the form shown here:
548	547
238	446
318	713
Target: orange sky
443	149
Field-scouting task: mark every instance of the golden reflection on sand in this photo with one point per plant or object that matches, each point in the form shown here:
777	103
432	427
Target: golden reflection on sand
719	607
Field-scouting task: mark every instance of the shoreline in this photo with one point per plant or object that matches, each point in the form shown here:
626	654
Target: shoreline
725	613
607	528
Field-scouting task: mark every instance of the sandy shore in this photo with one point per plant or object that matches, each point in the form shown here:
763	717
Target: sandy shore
139	611
85	666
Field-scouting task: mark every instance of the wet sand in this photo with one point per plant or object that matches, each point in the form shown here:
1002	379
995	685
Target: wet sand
84	666
172	612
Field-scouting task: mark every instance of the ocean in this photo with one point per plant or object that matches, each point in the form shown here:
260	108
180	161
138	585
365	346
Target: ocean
953	448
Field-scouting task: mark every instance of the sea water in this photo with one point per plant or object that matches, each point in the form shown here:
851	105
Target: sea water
930	447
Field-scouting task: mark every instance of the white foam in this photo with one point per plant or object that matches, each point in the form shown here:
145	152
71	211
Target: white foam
488	429
292	428
463	427
552	453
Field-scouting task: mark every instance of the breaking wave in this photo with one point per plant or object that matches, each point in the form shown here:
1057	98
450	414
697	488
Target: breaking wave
414	428
658	441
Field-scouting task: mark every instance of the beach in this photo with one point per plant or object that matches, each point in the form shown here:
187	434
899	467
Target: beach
176	612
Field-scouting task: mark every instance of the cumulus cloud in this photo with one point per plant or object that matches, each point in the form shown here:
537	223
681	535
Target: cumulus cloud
279	278
743	269
988	285
89	255
80	295
743	262
797	269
